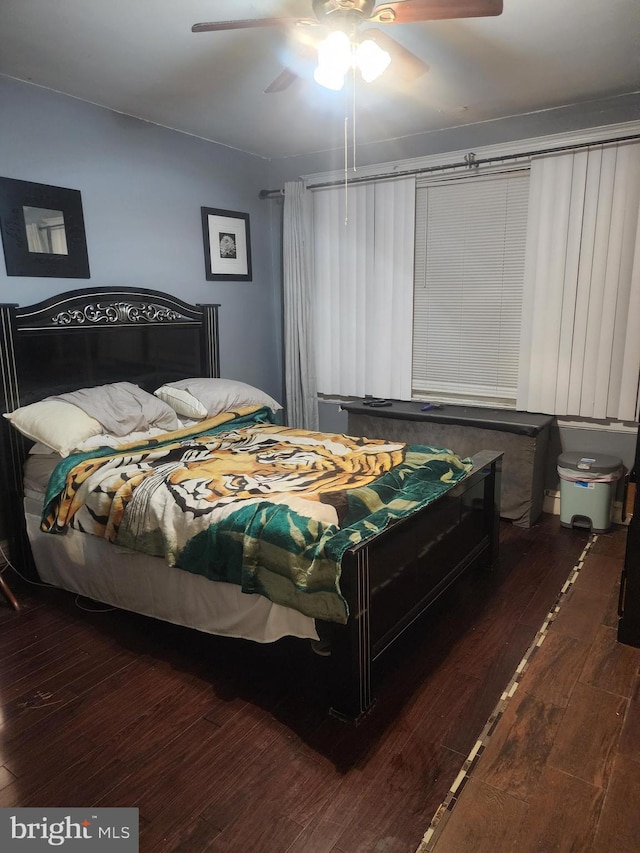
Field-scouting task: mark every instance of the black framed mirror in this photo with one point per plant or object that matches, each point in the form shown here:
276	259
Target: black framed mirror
42	230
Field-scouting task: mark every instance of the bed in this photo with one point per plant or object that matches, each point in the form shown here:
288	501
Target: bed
388	576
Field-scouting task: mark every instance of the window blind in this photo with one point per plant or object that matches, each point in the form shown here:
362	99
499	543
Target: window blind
469	268
581	323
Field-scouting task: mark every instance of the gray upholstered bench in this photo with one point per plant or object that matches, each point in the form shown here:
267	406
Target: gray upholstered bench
523	437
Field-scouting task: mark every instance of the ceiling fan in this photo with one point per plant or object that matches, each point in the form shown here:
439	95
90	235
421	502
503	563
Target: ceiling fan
371	50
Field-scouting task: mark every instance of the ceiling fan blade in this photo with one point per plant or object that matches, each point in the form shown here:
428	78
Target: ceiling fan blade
407	64
284	79
249	23
412	11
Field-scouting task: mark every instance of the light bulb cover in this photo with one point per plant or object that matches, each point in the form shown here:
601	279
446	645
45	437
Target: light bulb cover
336	52
329	78
372	60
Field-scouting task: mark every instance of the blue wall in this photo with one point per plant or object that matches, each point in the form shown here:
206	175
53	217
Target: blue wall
142	189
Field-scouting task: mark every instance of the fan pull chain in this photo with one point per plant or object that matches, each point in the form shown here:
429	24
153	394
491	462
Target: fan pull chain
346	145
346	170
353	118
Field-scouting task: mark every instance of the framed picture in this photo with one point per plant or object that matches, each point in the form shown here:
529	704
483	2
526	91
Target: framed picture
227	245
42	230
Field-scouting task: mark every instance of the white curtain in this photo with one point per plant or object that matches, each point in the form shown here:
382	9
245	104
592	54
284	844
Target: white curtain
580	341
36	240
300	378
58	236
363	276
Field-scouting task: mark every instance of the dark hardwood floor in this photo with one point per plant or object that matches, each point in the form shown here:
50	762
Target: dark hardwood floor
560	768
225	745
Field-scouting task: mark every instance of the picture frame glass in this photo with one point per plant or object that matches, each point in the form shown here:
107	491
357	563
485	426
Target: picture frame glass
46	232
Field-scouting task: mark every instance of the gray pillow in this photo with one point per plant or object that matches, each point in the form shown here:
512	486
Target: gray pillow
122	408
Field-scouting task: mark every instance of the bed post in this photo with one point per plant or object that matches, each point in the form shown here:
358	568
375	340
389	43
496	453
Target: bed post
351	692
211	342
13	446
492	494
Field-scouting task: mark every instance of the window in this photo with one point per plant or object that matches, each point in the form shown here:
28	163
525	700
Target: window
469	265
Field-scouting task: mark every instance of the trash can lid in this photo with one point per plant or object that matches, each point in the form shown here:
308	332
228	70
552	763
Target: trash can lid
596	463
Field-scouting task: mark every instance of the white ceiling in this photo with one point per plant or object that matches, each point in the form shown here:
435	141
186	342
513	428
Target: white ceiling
140	57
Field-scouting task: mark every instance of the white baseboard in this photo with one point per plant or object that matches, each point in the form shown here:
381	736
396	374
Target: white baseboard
551	503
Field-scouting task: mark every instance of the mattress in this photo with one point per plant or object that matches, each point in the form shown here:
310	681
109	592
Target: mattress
92	567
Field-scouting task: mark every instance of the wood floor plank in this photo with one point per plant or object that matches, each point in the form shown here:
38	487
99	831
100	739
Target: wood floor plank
518	750
467	719
629	745
197	837
142	786
113	704
485	820
563	815
611	616
580	615
555	667
275	835
546	595
31	708
294	792
6	777
599	574
399	805
619	826
103	767
595	717
611	666
198	786
612	544
317	837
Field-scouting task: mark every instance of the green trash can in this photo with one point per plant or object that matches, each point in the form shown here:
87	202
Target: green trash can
587	486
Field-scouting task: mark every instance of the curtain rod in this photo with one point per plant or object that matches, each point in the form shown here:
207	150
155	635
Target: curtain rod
470	162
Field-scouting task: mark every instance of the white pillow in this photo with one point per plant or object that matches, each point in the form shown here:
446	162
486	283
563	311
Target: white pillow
182	402
205	398
61	426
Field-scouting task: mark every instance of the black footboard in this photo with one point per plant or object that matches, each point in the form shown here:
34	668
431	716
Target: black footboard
393	578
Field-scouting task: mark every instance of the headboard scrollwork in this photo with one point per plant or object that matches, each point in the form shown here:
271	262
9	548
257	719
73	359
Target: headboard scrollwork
117	312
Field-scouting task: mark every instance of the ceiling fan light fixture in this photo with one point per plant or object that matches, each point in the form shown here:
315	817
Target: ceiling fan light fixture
335	53
329	78
372	60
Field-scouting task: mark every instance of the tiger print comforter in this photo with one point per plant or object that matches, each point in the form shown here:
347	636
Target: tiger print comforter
243	500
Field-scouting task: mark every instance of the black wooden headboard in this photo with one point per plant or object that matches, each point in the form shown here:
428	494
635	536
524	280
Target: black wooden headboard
89	337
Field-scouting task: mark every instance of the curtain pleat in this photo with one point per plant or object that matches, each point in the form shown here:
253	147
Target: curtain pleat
579	354
363	277
300	378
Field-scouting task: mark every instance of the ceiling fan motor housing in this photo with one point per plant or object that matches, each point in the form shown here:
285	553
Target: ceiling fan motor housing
343	14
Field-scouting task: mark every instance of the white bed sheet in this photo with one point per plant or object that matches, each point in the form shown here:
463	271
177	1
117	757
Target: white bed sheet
93	567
